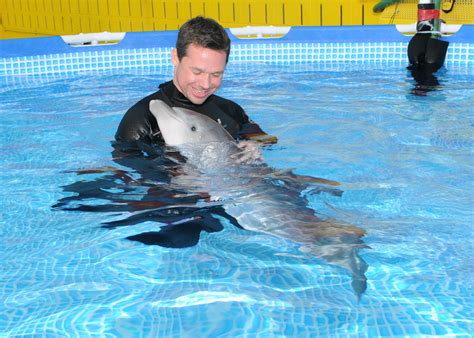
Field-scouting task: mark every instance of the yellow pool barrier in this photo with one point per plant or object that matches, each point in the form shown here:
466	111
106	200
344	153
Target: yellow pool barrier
452	12
23	18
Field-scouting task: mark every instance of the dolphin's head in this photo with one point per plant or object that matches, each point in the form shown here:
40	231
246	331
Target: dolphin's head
183	126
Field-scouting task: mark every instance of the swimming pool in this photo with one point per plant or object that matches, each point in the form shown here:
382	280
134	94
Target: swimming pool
402	151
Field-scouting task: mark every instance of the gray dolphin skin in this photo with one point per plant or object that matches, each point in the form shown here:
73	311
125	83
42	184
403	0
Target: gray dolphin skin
260	198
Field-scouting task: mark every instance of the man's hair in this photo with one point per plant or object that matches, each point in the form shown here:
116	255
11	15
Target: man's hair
203	32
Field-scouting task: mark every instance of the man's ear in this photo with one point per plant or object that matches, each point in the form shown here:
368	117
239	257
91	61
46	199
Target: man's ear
174	57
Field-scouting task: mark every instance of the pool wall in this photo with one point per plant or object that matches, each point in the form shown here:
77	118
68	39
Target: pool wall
375	44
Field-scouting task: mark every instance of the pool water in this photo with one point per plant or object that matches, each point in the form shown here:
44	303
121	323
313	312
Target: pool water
402	151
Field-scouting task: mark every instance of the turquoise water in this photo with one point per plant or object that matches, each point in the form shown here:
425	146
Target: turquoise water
404	156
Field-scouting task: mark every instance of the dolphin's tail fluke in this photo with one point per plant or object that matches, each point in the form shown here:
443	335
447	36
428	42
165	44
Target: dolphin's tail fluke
346	256
339	244
358	268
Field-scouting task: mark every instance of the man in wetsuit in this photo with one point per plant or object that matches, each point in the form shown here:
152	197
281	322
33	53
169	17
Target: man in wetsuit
199	60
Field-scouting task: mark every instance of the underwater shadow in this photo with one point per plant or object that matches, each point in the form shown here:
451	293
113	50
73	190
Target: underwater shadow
143	191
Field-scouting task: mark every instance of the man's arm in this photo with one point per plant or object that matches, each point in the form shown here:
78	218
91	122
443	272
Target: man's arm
137	125
252	131
251	136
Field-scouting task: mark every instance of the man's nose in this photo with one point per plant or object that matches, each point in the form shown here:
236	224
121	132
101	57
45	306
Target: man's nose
205	81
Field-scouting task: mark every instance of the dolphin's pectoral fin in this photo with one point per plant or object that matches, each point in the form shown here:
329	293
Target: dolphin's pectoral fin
301	182
316	180
304	179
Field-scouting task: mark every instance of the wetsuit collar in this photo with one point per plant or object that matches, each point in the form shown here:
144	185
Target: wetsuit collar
175	96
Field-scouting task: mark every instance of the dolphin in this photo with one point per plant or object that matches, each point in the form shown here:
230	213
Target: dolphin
258	197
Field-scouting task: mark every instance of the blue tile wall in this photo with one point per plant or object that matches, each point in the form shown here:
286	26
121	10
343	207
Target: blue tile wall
280	53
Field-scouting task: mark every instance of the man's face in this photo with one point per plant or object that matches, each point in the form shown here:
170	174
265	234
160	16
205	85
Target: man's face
199	73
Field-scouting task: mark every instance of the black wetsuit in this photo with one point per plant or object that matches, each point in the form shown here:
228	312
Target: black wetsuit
139	126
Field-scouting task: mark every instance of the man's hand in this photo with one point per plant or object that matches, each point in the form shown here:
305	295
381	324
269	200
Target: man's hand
249	152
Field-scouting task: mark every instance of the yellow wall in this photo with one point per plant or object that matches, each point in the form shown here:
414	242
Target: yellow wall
60	17
55	17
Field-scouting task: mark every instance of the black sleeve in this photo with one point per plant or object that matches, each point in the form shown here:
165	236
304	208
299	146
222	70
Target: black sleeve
249	130
135	125
242	128
138	124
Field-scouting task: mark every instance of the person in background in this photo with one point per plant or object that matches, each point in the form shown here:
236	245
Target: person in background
199	60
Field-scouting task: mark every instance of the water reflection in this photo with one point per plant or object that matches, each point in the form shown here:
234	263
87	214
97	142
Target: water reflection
425	81
159	186
144	191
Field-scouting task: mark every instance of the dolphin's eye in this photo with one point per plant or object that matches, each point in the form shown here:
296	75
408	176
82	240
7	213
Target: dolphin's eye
193	128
